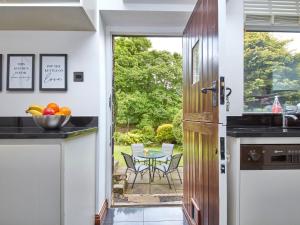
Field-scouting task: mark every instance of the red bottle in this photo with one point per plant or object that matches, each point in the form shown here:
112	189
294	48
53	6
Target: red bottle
276	108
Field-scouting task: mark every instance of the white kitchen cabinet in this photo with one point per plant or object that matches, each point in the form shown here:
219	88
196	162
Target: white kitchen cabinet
30	184
48	182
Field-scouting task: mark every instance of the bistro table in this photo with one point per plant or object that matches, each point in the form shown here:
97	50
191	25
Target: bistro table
151	155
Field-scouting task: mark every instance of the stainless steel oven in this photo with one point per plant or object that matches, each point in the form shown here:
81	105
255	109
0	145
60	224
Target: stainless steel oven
269	185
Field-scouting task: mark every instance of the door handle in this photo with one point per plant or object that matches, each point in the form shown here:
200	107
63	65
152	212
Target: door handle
213	88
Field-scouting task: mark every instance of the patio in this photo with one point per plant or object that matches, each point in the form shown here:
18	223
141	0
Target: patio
145	193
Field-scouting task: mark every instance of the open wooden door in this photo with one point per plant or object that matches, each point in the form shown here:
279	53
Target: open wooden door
204	115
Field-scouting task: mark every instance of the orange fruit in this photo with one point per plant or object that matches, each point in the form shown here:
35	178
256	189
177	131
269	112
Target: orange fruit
65	111
59	114
53	106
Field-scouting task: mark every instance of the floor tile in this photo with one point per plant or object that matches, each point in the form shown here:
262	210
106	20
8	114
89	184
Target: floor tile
124	215
163	214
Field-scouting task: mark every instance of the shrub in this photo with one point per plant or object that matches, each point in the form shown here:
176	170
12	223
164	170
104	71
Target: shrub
177	127
147	134
165	133
127	138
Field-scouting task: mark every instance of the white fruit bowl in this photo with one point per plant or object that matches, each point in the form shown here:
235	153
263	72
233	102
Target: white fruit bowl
51	122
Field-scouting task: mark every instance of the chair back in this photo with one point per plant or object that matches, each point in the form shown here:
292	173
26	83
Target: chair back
129	161
167	148
137	149
174	163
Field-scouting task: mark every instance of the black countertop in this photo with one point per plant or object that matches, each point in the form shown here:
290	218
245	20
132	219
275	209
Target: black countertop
39	133
262	132
24	128
261	125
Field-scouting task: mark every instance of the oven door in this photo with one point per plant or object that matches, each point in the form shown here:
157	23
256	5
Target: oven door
270	197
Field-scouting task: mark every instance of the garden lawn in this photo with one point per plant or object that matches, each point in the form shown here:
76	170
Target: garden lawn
127	149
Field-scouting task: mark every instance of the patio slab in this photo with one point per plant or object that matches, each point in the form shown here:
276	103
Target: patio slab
156	192
161	189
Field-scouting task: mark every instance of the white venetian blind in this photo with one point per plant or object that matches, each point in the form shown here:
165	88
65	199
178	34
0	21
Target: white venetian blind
272	14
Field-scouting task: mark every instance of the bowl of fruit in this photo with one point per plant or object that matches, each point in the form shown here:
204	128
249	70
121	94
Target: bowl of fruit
50	117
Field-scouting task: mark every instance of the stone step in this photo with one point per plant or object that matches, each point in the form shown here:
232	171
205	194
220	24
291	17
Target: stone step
120	187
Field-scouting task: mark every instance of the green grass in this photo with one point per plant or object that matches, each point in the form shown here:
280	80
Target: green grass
127	149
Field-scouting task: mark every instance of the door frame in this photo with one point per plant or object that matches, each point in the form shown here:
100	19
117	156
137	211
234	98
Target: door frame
110	33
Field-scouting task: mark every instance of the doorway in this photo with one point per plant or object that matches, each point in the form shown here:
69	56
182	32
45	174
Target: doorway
147	120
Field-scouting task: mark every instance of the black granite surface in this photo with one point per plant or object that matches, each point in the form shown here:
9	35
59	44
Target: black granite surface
261	125
260	120
262	132
25	128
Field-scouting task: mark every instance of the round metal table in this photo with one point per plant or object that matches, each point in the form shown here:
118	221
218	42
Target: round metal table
151	155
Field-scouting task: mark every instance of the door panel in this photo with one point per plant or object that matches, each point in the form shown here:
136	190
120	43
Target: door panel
202	28
201	115
201	171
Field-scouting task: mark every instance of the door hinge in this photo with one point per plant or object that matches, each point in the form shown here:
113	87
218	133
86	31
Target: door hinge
222	148
110	102
110	136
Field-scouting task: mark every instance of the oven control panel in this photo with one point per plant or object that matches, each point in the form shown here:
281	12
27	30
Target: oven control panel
259	157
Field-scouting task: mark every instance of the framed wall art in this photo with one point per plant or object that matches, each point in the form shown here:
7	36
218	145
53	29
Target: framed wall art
53	72
20	72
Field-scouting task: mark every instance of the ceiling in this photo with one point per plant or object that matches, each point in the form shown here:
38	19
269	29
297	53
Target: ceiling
161	1
161	19
44	18
155	15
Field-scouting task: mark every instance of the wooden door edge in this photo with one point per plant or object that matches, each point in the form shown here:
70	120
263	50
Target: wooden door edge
187	216
99	218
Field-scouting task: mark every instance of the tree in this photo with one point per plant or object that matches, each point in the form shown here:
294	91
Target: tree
147	83
270	69
177	127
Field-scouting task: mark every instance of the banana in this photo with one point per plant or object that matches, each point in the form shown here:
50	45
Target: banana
35	108
34	112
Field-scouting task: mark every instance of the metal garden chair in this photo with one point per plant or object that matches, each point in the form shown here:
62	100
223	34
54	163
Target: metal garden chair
168	150
133	167
170	168
136	150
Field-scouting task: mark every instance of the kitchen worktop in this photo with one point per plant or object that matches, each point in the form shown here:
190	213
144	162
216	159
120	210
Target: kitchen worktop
261	125
262	132
39	133
24	128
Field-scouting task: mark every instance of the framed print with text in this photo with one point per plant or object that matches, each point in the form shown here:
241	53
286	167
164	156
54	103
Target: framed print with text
53	72
20	72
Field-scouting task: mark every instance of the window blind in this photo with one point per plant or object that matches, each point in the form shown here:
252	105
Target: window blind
272	14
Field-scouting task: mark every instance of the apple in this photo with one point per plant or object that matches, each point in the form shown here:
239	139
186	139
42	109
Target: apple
48	111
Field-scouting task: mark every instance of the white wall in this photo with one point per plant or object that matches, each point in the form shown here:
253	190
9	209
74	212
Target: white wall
91	8
103	124
83	55
235	55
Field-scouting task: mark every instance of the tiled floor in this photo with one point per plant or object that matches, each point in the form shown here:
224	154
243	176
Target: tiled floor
145	216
